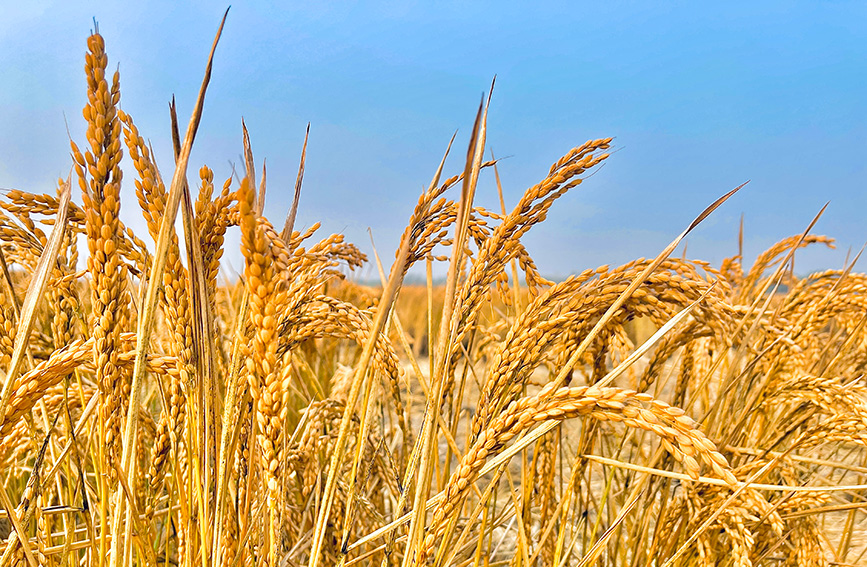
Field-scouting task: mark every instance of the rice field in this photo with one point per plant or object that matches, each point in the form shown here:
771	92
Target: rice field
665	412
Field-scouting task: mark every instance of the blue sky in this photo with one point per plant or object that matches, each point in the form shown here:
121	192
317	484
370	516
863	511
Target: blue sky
699	98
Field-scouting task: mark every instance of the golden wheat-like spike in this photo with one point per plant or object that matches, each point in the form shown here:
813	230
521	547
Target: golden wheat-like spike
152	196
502	246
559	318
23	205
213	217
64	295
268	382
678	435
100	164
771	256
7	331
325	316
31	386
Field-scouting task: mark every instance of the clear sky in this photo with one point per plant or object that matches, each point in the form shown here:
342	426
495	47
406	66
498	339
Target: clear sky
699	97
